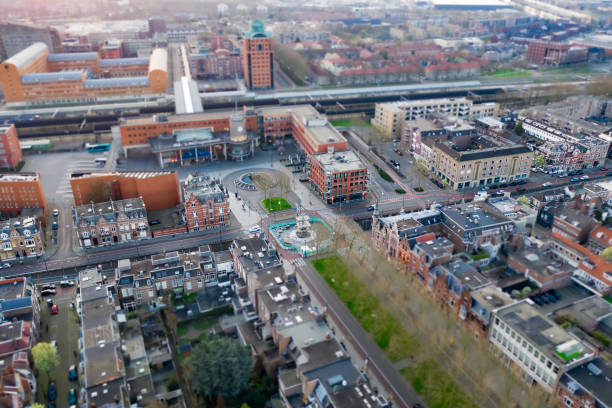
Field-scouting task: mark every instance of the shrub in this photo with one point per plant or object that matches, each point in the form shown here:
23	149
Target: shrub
385	176
400	191
172	384
419	189
601	337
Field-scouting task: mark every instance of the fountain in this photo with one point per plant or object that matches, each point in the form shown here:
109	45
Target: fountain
305	235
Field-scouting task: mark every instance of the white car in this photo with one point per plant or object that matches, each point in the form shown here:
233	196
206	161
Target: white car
585	177
255	229
547	184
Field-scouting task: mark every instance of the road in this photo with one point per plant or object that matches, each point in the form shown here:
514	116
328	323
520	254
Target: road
146	248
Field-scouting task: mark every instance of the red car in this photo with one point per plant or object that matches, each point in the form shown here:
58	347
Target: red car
521	188
604	168
54	310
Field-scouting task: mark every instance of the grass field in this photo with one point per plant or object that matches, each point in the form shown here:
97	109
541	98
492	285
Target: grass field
426	376
355	122
508	73
276	204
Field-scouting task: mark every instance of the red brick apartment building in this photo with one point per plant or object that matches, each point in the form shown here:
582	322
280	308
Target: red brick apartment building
19	191
258	57
551	53
10	151
206	204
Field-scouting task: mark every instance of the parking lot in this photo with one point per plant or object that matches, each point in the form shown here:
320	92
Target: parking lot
64	329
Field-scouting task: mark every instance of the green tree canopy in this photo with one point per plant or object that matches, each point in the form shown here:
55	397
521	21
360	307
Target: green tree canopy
37	405
607	253
540	161
45	357
220	366
518	129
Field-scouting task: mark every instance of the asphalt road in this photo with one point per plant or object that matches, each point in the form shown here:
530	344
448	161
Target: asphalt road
146	248
403	394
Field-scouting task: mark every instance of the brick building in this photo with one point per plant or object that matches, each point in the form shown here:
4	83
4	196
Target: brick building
111	222
35	75
112	49
258	57
19	191
158	189
10	151
206	203
550	53
21	238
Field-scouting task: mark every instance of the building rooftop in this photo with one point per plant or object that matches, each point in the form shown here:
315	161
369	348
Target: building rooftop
204	187
544	263
28	55
346	160
591	378
468	274
491	297
418	215
110	209
424	125
471	216
103	364
10	330
257	30
119	62
125	174
159	60
510	207
73	56
61	76
319	355
11	289
436	248
118	82
548	337
255	254
467	155
18	177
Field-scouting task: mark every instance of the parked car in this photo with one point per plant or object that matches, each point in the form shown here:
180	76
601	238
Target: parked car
604	168
72	397
255	229
55	212
550	297
521	188
66	283
73	374
54	226
370	208
6	265
547	184
484	188
556	294
514	183
49	302
52	393
48	292
521	182
609	174
503	185
493	186
537	300
574	180
563	174
54	310
585	177
48	286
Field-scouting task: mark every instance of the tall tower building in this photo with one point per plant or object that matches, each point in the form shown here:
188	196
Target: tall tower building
258	57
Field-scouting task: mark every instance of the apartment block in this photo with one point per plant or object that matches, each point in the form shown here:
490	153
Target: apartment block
551	53
206	203
338	176
258	57
536	344
480	162
19	191
111	222
10	151
390	116
586	385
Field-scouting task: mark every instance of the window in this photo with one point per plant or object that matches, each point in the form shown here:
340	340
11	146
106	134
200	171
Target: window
567	401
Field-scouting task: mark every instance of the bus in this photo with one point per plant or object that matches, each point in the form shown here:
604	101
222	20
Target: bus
100	161
102	147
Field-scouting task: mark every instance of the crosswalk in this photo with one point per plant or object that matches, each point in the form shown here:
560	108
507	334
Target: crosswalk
63	189
298	262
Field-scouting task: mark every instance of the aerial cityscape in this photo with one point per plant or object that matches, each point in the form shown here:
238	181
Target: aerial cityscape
282	204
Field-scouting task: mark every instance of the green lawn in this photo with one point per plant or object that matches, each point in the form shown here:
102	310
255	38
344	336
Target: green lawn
200	325
429	379
354	122
276	204
508	73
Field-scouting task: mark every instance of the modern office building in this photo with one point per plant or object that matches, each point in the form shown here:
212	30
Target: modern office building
19	191
35	75
338	176
10	151
389	117
258	57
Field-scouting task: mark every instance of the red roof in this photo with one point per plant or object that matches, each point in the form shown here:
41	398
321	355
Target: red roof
601	269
